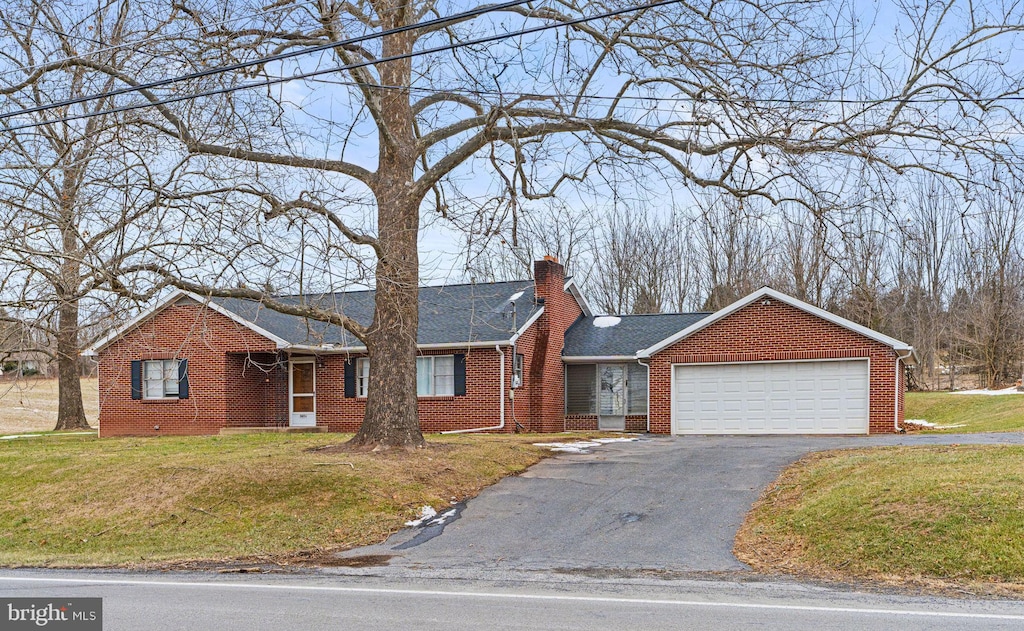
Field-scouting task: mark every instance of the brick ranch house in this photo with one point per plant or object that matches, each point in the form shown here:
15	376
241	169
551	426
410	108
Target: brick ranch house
512	356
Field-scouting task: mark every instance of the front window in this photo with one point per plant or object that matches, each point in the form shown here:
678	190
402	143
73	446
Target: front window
435	376
362	376
160	379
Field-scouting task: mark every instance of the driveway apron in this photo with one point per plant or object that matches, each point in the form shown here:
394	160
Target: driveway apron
659	503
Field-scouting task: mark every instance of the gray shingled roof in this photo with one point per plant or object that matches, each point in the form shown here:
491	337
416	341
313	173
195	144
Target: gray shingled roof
631	334
454	314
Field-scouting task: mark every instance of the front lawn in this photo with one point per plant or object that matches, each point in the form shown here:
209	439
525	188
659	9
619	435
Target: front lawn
971	412
86	502
951	513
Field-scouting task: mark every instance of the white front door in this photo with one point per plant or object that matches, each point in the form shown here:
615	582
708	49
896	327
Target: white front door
302	393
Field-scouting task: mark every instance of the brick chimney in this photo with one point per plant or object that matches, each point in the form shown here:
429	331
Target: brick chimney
549	277
546	369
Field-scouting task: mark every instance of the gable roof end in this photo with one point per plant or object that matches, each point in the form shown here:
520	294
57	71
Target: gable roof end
767	292
178	294
571	287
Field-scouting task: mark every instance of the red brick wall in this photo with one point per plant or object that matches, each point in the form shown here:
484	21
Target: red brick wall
772	333
478	408
238	379
189	331
588	422
258	395
547	394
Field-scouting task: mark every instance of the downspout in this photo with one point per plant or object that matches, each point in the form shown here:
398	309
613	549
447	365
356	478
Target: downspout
896	399
648	367
501	399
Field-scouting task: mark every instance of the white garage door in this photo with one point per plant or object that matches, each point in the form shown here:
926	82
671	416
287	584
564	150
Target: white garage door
814	397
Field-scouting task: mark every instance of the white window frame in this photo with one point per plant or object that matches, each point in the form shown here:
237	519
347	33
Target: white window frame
431	361
170	387
362	376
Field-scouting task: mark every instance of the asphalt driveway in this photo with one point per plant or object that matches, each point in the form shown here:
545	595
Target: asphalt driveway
660	503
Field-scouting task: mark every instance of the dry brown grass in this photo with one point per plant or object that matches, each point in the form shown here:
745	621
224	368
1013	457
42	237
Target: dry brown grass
81	501
30	405
934	518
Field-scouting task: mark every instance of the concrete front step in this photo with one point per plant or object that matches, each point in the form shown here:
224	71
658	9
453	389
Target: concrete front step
228	431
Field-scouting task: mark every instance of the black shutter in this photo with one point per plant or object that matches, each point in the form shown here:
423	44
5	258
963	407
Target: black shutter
136	379
182	378
350	379
460	375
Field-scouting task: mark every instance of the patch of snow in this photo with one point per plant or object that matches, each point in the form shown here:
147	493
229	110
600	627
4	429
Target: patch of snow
515	296
430	517
920	422
13	436
426	513
603	322
583	446
1010	390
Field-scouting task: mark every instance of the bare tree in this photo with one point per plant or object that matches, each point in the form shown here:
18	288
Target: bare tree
638	262
735	246
753	100
993	325
73	194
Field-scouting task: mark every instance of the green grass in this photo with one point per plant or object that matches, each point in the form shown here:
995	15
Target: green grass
975	412
954	513
88	502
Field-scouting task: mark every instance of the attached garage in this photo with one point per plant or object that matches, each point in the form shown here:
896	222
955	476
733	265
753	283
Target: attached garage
766	364
775	397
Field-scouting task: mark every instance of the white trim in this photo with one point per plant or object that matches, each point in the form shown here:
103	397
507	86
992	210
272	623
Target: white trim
571	287
178	294
898	389
522	330
334	350
207	302
672	390
767	292
102	343
598	359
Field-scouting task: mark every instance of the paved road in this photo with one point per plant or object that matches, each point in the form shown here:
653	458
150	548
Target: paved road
294	603
662	503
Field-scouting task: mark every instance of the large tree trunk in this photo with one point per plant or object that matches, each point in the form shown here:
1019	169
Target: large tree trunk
70	411
392	417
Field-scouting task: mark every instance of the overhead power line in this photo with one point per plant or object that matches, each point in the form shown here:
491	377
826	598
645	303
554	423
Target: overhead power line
684	99
313	73
272	58
136	42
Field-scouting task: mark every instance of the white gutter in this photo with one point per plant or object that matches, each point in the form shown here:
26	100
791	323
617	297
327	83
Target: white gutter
598	359
896	399
328	350
501	398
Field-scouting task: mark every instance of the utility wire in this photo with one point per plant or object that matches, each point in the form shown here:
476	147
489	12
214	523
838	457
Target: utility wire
280	57
313	73
682	99
154	38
